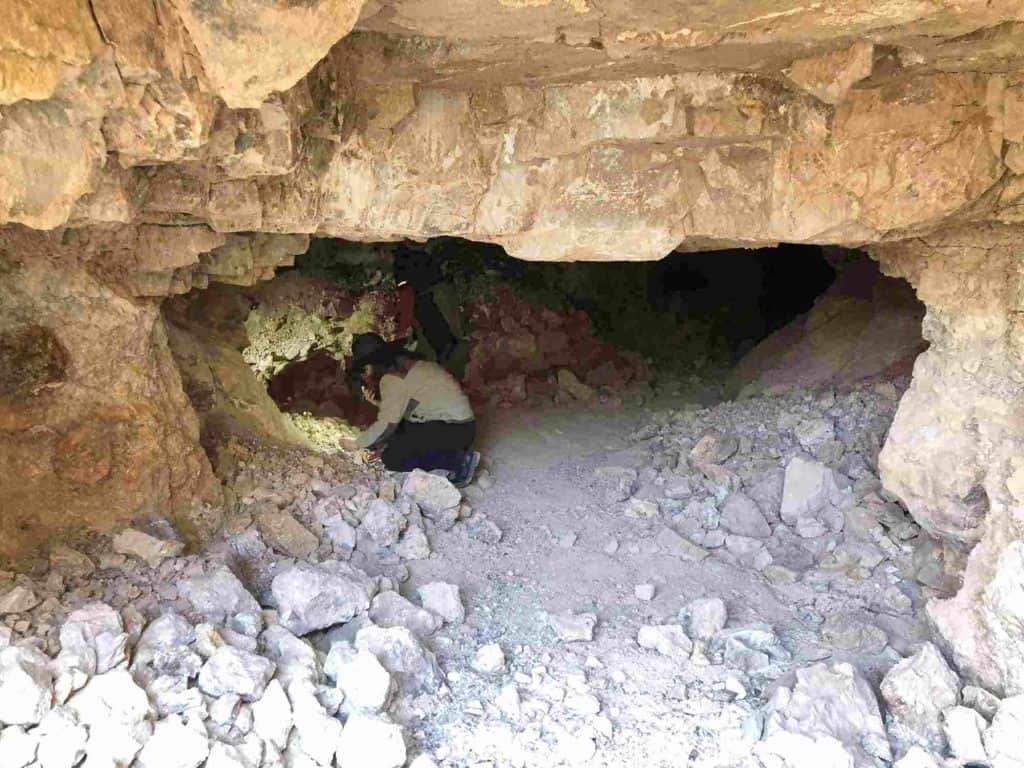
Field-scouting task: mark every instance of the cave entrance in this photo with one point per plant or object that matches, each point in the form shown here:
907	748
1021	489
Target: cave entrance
536	333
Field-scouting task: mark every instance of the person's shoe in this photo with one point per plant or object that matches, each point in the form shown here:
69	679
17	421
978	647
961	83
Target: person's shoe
465	474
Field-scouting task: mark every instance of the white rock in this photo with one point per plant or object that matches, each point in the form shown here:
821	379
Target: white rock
575	749
227	756
809	490
489	659
383	522
311	597
17	748
369	742
667	639
145	547
916	758
644	592
573	627
234	671
414	544
92	640
360	676
26	686
174	745
18	600
423	761
917	691
272	715
219	597
1003	738
390	609
641	509
435	495
316	733
508	701
705	617
341	534
115	710
443	599
583	704
795	750
61	740
830	702
964	728
414	667
980	700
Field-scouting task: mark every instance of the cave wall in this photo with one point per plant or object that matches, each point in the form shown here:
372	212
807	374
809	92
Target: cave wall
955	452
95	428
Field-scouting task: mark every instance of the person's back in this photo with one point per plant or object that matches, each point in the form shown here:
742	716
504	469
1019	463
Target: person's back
437	394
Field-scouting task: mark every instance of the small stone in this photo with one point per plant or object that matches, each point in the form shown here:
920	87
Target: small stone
383	522
71	562
644	592
151	550
227	756
414	544
481	528
413	666
312	597
568	382
443	599
741	515
422	761
286	534
706	617
916	758
980	700
714	447
17	748
390	609
611	547
435	495
234	671
18	600
489	660
508	701
573	627
174	745
1003	737
362	678
641	509
964	728
813	433
917	691
575	749
272	715
61	740
667	639
219	597
616	484
567	540
341	535
583	704
26	686
369	742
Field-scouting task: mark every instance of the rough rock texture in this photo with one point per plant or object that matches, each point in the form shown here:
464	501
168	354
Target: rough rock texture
956	447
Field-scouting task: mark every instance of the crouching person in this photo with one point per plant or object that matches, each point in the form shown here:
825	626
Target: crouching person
424	419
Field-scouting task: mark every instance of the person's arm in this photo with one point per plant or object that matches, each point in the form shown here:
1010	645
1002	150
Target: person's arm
395	405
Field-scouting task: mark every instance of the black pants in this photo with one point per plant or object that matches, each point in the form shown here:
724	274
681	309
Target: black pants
428	445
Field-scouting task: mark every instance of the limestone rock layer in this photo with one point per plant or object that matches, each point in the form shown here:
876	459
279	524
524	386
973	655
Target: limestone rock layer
147	148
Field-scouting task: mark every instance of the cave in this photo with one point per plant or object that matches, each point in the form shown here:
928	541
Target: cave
733	292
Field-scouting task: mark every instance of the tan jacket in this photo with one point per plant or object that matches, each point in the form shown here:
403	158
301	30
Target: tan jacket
426	393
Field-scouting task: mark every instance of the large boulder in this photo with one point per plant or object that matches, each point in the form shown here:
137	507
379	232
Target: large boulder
313	597
917	691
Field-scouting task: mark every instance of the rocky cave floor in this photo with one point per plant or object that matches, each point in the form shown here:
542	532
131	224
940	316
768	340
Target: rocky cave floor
671	581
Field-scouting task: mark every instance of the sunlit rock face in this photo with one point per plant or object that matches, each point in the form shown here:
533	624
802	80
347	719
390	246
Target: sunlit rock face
147	148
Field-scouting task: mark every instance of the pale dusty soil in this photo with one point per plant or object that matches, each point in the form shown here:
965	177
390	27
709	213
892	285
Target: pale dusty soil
662	712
